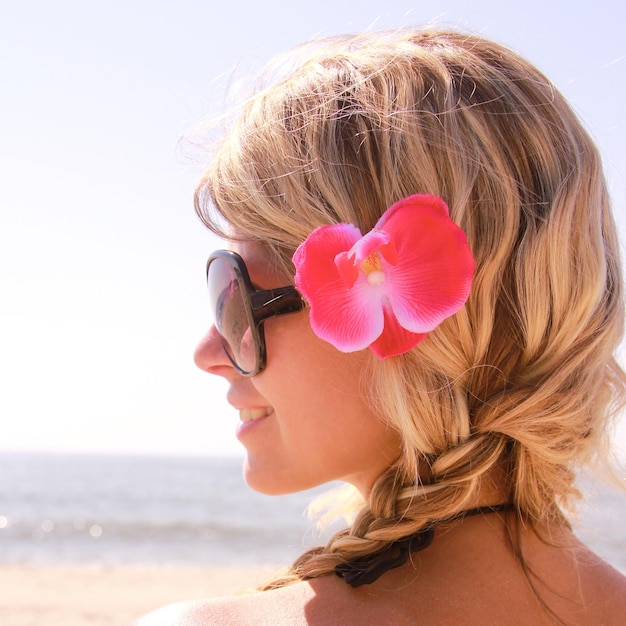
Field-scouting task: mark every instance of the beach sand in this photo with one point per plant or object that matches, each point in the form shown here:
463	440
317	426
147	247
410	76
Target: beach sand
99	595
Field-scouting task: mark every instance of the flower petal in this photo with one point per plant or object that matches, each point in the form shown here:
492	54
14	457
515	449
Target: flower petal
433	276
370	242
348	271
349	318
418	201
314	258
394	339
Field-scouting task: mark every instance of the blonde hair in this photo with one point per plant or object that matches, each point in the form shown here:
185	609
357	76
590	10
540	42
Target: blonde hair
523	379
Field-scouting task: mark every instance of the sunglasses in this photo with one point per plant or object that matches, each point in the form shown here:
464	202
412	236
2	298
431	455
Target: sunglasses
240	310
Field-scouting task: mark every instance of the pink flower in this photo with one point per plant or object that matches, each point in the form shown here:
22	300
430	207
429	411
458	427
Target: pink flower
386	289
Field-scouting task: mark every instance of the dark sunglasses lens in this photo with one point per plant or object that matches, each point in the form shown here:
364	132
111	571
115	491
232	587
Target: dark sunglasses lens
231	314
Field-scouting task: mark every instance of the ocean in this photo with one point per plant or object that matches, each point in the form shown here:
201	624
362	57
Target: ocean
65	509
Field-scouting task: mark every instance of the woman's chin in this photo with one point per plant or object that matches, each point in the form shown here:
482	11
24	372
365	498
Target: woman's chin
265	478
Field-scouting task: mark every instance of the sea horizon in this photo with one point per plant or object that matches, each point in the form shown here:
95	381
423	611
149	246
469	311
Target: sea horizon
78	508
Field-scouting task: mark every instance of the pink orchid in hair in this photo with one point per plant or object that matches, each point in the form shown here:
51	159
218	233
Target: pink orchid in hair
388	288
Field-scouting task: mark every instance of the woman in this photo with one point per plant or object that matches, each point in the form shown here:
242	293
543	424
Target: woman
447	349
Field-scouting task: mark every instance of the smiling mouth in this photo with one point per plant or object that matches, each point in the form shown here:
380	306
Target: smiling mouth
249	415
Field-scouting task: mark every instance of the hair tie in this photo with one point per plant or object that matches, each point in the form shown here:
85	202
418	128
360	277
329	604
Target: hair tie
367	569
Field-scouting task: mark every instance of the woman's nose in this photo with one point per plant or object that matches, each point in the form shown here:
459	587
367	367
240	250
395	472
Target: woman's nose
210	355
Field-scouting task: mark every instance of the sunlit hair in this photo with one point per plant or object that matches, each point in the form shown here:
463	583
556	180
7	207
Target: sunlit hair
522	382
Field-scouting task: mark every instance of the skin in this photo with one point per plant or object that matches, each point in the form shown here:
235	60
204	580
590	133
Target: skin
319	427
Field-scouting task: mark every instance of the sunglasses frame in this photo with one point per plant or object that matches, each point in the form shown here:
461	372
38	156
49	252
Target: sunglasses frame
260	304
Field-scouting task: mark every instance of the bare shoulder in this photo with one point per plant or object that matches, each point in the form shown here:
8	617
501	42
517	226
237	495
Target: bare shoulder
616	600
325	601
227	611
289	606
577	584
605	588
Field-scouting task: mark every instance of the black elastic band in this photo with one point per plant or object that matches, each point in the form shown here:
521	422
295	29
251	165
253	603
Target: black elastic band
365	570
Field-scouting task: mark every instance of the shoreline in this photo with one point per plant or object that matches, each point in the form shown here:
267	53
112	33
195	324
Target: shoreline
111	595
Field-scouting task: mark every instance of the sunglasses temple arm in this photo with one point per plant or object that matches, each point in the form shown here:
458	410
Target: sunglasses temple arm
276	302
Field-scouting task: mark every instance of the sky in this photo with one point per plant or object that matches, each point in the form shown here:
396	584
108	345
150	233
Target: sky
102	291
